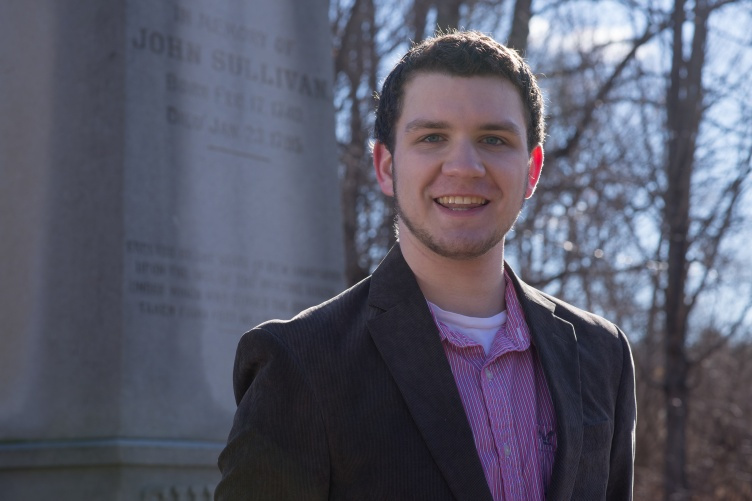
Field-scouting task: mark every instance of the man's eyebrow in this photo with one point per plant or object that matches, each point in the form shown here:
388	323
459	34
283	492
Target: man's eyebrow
506	126
422	123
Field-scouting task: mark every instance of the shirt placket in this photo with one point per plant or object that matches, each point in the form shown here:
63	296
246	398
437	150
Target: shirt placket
498	403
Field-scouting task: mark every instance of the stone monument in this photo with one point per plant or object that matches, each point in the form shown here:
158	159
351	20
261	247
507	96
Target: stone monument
168	179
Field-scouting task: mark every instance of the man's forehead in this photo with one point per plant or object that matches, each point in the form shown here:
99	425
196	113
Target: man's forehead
426	74
431	98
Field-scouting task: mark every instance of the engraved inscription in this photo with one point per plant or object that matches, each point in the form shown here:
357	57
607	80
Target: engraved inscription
185	119
279	77
179	85
231	289
232	30
170	46
245	101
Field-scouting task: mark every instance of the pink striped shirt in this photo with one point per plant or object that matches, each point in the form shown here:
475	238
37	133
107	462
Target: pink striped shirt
507	404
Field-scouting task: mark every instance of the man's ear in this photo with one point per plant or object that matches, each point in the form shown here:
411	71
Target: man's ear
382	162
534	167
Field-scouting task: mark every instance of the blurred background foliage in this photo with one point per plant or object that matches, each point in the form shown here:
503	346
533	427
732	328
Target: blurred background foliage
644	209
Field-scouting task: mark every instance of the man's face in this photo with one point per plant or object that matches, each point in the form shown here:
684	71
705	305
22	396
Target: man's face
460	168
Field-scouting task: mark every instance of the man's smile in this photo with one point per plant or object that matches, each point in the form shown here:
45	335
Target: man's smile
459	202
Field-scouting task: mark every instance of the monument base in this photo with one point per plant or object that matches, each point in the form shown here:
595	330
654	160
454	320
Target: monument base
109	470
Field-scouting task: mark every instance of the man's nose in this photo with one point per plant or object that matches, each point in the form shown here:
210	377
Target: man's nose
463	160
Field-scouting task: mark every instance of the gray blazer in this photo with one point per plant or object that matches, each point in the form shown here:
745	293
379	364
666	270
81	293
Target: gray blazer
354	400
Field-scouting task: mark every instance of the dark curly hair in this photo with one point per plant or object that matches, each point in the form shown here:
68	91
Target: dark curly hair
464	54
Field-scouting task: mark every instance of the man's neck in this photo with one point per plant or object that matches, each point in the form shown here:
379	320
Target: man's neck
473	287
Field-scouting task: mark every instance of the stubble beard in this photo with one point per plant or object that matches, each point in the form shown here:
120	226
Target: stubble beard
461	251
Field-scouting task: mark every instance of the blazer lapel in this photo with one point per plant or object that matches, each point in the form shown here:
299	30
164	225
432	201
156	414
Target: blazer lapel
556	343
408	340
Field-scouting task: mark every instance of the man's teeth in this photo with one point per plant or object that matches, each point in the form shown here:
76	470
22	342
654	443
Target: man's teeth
453	200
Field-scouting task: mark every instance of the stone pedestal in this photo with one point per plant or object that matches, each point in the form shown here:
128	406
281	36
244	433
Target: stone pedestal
168	179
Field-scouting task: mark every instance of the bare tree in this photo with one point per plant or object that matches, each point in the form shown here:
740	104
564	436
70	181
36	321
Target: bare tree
520	30
642	206
356	63
684	113
685	107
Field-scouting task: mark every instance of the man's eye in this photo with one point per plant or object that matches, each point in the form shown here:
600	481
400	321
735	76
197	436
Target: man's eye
493	140
432	138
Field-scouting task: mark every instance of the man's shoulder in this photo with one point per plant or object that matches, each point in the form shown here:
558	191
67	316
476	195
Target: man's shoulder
585	322
600	342
319	342
603	348
579	317
348	312
335	316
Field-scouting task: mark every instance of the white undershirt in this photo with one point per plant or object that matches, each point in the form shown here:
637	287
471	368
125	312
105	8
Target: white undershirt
482	330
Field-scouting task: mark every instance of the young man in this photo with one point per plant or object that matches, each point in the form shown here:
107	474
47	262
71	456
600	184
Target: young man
442	376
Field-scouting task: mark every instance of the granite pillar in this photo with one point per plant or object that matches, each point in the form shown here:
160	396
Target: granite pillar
168	179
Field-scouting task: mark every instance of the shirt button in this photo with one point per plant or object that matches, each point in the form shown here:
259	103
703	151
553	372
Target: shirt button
507	450
489	374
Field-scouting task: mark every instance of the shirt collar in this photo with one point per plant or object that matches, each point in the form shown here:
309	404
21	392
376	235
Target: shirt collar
516	330
516	326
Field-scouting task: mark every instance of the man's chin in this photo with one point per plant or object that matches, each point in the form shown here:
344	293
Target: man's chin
460	247
461	250
462	254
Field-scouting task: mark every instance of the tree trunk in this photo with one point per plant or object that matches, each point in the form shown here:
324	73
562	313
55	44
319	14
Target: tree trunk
520	30
447	14
356	58
684	111
418	18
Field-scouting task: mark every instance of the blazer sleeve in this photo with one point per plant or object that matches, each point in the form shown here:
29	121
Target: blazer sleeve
277	445
621	472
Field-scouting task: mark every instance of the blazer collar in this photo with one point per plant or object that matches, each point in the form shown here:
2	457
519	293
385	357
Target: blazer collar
408	340
556	343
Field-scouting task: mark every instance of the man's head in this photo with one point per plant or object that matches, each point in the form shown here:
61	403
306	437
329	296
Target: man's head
463	54
460	124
